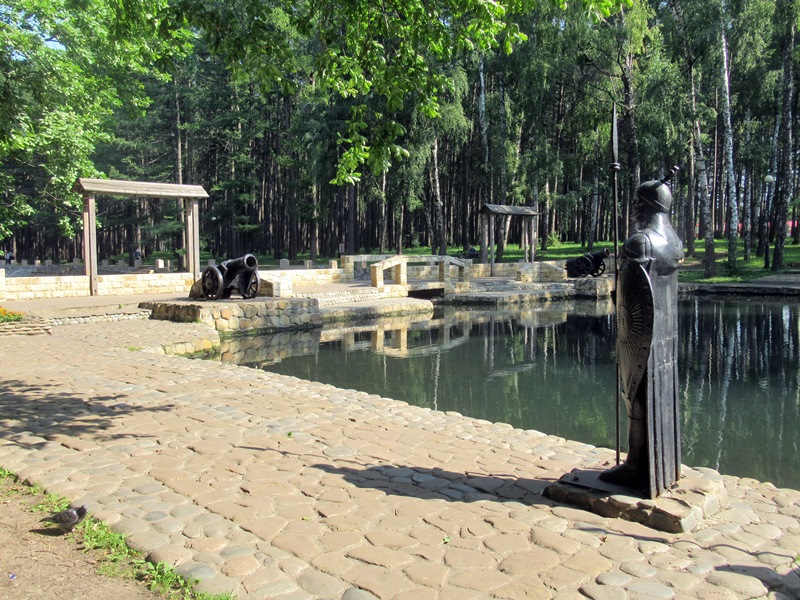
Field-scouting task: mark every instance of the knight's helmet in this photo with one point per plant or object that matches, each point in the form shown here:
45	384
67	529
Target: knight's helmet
657	193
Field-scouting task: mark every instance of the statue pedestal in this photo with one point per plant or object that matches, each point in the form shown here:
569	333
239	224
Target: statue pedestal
698	494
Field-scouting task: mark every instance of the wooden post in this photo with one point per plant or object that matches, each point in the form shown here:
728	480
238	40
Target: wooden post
90	241
484	222
192	236
491	244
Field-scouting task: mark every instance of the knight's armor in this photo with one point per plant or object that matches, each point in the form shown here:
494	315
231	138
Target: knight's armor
647	345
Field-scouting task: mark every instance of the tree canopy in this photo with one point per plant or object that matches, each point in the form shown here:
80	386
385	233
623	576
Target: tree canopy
389	124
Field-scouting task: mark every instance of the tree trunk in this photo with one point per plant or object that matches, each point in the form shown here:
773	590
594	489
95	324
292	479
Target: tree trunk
786	172
182	258
350	233
709	264
439	235
730	175
484	127
745	191
502	239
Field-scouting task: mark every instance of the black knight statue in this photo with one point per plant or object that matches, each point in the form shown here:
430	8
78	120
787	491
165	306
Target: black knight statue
647	344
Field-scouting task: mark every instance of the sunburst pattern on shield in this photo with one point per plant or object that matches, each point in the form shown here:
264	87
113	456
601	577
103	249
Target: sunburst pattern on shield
634	324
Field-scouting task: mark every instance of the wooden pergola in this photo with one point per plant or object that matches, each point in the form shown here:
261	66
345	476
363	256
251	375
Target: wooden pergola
529	225
189	194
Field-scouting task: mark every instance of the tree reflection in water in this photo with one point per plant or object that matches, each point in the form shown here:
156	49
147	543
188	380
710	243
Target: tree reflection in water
550	367
740	378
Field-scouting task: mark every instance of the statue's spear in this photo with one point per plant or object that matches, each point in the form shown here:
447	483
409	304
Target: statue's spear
615	198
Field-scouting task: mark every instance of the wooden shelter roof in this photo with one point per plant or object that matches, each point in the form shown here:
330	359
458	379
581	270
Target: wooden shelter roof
505	209
117	187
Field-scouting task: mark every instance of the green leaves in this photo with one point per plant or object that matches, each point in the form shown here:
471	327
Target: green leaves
67	65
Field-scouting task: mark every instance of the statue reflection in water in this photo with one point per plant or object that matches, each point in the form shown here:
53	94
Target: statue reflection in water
647	344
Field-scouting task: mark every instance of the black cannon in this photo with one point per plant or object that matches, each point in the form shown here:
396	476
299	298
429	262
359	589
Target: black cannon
240	274
592	263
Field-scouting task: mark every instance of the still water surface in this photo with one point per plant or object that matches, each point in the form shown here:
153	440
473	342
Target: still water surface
551	368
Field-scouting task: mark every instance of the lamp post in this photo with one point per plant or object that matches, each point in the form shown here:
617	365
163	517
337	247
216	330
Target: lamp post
768	181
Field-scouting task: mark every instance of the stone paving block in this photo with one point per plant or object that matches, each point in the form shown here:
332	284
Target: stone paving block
563	578
477	528
469	559
320	584
240	566
146	541
589	562
684	583
479	580
390	539
603	592
219	585
380	556
301	546
553	541
266	528
383	583
170	554
208	544
750	586
427	574
638	569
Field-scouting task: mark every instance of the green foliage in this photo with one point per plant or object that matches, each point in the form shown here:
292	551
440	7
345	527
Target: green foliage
66	68
9	316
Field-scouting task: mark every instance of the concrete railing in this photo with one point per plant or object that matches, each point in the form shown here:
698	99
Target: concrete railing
399	268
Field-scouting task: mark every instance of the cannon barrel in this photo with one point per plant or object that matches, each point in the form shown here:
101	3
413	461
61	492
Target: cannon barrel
600	254
248	262
240	274
592	263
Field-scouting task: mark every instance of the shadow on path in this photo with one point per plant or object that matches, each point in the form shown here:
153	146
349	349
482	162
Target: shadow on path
47	410
788	583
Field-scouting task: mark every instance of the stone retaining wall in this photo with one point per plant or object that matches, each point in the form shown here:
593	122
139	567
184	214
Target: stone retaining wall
255	351
278	283
29	325
73	286
246	316
550	271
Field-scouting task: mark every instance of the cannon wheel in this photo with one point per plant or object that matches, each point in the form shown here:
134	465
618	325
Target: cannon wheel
601	268
211	280
583	266
252	287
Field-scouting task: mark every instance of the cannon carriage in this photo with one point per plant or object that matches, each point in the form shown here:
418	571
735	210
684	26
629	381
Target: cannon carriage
240	274
591	263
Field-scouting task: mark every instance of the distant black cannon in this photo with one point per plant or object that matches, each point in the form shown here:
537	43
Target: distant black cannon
240	274
592	264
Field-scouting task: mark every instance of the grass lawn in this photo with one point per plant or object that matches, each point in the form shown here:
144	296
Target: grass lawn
691	271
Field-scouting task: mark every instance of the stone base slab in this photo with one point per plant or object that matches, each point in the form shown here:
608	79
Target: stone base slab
699	494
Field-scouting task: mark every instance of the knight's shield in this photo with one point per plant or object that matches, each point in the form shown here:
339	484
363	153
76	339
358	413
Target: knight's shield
634	325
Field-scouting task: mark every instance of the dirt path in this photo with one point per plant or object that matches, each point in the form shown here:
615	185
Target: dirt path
41	563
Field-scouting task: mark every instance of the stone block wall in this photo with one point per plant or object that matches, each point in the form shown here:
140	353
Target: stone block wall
547	272
258	350
29	288
304	277
431	272
144	283
73	286
241	316
537	272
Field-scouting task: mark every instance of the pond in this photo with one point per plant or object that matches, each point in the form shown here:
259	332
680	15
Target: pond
551	368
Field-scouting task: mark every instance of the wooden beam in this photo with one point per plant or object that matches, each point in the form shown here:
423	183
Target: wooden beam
116	187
